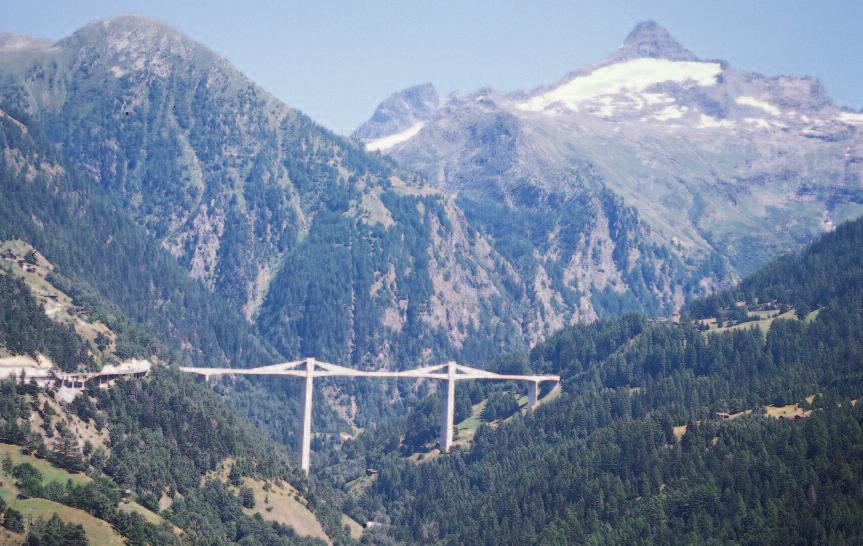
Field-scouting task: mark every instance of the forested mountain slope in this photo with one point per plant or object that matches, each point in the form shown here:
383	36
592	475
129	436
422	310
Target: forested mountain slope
87	234
669	434
330	251
25	330
196	472
186	457
109	265
828	269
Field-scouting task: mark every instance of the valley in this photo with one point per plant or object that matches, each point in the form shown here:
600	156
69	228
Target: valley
223	323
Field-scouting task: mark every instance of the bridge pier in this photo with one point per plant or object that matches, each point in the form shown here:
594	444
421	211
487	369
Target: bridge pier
532	394
305	439
448	408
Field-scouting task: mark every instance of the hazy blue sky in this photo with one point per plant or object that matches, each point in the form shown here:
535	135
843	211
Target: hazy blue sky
337	60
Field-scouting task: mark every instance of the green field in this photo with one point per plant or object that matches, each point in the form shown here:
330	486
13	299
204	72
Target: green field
762	324
98	531
49	472
764	318
358	486
467	428
283	504
146	513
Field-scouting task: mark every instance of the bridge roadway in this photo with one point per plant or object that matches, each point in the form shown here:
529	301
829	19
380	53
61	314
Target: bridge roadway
310	368
130	368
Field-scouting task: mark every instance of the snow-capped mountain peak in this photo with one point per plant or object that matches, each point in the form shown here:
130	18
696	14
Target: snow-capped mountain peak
705	152
650	83
635	78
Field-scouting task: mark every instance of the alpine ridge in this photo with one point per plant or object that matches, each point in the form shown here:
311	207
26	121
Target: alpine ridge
722	169
324	248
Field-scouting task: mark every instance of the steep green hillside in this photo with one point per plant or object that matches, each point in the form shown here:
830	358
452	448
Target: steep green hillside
25	330
164	438
329	250
168	436
87	235
828	269
634	452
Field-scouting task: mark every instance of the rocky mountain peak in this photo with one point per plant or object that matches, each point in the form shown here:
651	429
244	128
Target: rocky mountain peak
131	37
401	111
138	26
649	39
135	44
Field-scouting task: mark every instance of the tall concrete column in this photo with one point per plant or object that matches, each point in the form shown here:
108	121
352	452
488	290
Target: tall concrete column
305	439
447	409
532	394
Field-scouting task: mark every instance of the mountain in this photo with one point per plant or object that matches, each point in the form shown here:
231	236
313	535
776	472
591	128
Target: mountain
649	40
566	200
399	117
158	204
666	433
722	169
155	460
326	250
102	260
10	41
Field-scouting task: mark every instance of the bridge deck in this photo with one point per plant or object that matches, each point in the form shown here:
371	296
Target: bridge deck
330	370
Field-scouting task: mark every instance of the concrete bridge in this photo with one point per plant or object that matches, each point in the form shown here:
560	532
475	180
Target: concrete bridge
309	368
131	368
71	384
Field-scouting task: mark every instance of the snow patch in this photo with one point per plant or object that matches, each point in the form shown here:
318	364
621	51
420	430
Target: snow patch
635	75
771	109
850	117
387	142
653	99
670	112
758	122
710	122
606	107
